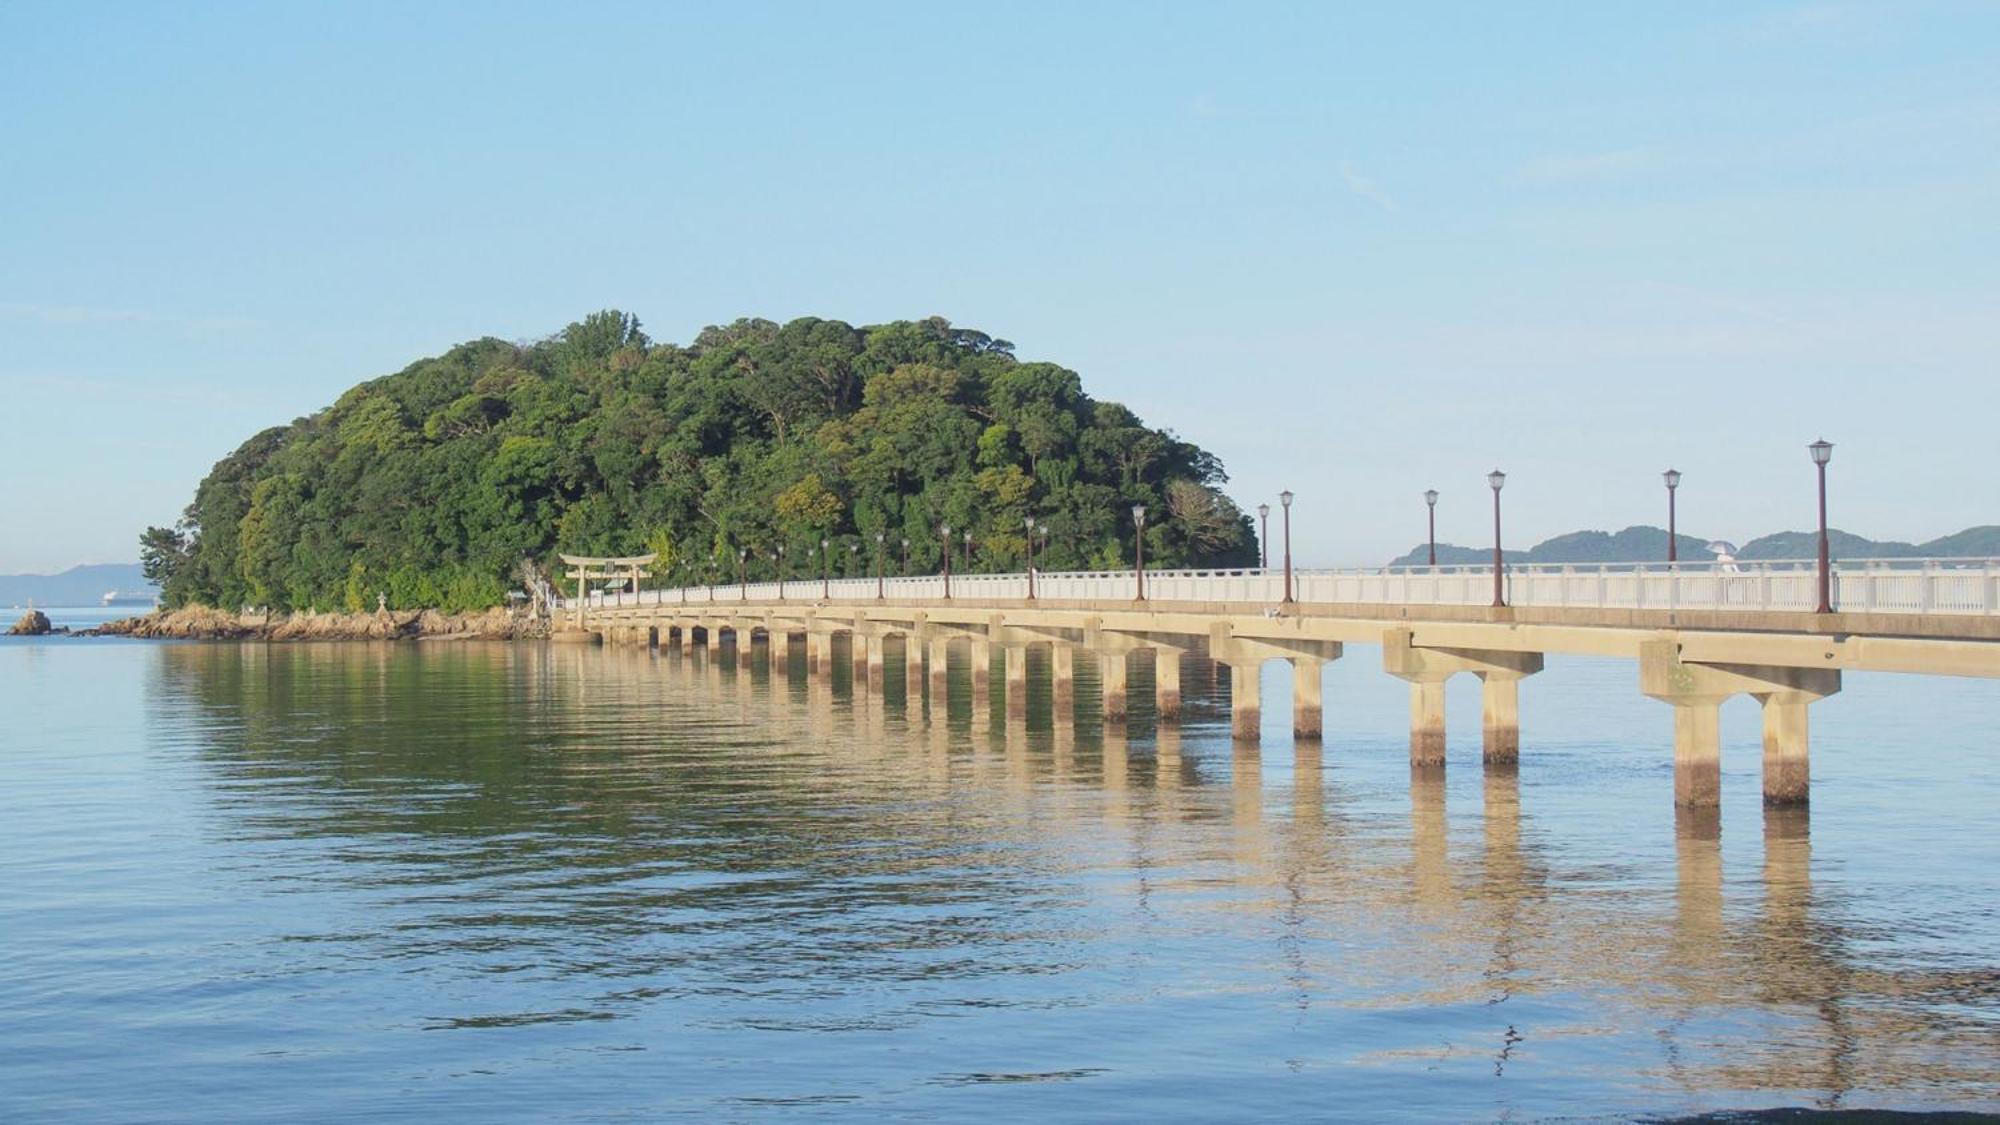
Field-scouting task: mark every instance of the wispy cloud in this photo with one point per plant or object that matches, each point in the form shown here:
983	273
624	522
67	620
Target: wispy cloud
1366	188
1586	167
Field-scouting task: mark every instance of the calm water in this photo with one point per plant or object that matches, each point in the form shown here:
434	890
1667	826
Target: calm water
485	882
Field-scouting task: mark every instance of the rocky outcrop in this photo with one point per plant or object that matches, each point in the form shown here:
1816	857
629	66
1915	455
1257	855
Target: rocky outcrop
33	623
203	623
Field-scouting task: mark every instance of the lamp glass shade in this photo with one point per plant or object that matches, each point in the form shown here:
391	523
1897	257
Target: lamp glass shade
1431	497
1496	478
1264	510
1822	451
1672	477
1030	522
1285	498
1138	513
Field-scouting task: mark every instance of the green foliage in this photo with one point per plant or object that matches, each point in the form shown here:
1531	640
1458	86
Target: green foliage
428	487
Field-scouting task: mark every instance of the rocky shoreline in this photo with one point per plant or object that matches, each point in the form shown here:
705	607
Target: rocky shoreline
202	623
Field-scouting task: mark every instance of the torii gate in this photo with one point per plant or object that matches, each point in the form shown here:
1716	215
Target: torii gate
586	568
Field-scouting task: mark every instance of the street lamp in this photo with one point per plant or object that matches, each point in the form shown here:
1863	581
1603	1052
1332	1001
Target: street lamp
1139	547
1822	452
1285	499
825	570
881	550
1673	479
778	560
906	557
1264	539
1030	521
944	531
968	552
743	574
1431	502
1496	478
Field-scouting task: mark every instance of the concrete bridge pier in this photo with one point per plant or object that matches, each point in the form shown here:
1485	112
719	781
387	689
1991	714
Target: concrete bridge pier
1306	698
857	657
1167	683
1245	660
1696	692
1500	717
746	646
1111	673
713	635
940	675
781	650
913	675
980	654
1246	707
1428	667
1016	685
1062	677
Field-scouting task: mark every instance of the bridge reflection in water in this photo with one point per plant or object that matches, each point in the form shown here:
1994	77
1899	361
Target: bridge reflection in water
1008	840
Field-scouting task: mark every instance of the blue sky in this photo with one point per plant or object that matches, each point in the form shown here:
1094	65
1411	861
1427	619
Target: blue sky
1356	252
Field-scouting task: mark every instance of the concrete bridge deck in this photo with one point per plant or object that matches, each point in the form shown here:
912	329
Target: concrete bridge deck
1698	635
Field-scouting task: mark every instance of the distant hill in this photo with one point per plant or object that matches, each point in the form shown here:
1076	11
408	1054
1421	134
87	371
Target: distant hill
77	586
1649	544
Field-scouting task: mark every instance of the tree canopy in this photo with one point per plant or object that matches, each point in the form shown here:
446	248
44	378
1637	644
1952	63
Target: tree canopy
431	485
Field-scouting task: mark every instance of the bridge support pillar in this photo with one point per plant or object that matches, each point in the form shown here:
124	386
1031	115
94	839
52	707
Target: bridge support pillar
713	634
1246	709
1696	692
980	654
1167	683
1111	671
781	651
1427	722
1306	698
940	674
746	647
1500	718
1016	684
1787	771
1062	678
857	656
1428	667
913	674
875	657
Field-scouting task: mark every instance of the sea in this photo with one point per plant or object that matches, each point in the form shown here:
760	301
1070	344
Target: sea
466	881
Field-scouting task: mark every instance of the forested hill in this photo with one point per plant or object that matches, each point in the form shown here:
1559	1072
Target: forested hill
432	485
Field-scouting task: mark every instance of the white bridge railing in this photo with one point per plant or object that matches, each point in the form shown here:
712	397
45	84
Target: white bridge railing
1927	586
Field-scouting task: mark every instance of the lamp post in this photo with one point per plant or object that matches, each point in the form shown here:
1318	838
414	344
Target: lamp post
825	570
1030	521
1285	499
1264	538
968	552
881	551
1496	478
944	532
906	557
1673	479
778	561
1431	502
743	574
1822	452
1139	548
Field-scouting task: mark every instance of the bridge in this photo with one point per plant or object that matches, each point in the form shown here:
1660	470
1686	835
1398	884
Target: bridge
1698	634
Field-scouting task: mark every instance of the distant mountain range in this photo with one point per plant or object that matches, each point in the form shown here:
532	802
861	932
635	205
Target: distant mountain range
77	586
1649	544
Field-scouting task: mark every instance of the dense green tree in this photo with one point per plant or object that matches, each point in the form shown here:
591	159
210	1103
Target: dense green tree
430	486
